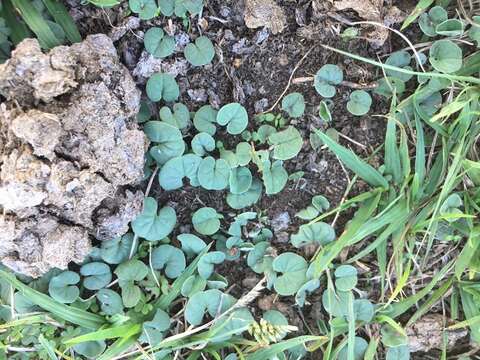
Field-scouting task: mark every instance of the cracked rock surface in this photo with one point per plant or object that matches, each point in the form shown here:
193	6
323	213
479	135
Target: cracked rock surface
70	153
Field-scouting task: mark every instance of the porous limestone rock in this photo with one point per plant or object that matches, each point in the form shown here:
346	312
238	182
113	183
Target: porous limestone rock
70	153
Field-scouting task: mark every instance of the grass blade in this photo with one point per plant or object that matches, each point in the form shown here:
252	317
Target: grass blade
273	350
354	163
62	17
65	312
122	331
19	30
422	5
36	23
118	347
48	347
467	253
392	155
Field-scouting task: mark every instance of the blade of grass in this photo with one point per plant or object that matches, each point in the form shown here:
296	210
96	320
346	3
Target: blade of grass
451	77
122	331
354	163
422	5
434	298
65	312
19	31
48	347
275	349
471	311
117	348
392	155
470	248
62	17
36	23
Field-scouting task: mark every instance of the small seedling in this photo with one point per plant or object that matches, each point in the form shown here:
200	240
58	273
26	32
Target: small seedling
162	87
294	104
159	44
201	52
326	79
359	103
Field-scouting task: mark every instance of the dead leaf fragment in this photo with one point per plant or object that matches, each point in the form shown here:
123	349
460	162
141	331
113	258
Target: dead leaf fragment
264	13
374	11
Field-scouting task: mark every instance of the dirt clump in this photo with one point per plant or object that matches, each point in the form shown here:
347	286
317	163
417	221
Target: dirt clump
70	153
264	13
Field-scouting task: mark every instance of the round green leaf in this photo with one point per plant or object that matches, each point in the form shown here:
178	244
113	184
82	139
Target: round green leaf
294	104
317	233
359	103
363	310
286	144
205	119
117	250
446	56
208	261
200	303
162	87
203	143
324	112
153	226
146	9
158	43
320	202
325	79
450	27
167	7
200	53
309	213
248	198
429	20
345	277
131	270
62	287
293	270
179	118
90	349
213	174
206	221
275	177
170	258
240	180
98	275
263	132
131	295
172	173
234	116
194	7
144	113
388	86
110	302
168	139
191	244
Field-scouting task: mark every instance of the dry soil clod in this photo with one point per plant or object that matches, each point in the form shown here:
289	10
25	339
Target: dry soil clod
70	150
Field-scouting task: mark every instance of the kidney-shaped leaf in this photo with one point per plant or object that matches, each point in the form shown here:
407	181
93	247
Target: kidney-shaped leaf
117	250
326	77
170	258
359	103
293	270
201	52
158	43
131	270
110	301
208	261
200	303
294	104
203	143
171	174
234	116
179	118
63	287
275	317
167	138
320	233
240	180
213	174
345	277
191	244
336	304
360	346
205	119
429	20
286	143
98	275
153	226
192	285
446	56
275	177
248	198
152	330
162	87
206	221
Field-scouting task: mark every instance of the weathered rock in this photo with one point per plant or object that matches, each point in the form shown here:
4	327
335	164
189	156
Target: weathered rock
264	13
69	146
